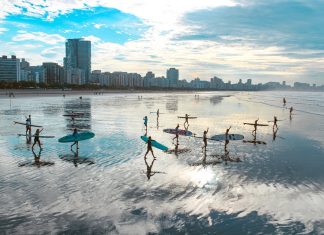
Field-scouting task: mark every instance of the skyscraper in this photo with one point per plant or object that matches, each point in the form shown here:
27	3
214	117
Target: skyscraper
78	56
9	69
173	75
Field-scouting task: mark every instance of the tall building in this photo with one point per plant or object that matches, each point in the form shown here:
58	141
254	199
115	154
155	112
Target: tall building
9	69
78	56
54	73
173	75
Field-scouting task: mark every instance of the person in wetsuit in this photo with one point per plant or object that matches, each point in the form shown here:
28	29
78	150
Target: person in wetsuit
205	140
226	138
75	132
28	125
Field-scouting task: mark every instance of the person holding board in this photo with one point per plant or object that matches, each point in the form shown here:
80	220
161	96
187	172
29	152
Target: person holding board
205	140
75	132
28	125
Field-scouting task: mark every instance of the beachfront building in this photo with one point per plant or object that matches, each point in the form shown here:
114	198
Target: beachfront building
54	73
78	56
173	75
9	69
75	76
37	74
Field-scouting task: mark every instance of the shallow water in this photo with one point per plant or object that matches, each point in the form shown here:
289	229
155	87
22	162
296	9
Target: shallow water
275	188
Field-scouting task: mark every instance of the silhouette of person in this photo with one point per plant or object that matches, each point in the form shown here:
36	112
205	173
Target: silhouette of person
284	101
290	112
186	122
226	138
205	140
75	133
36	139
149	147
275	120
145	123
28	125
255	127
149	172
176	133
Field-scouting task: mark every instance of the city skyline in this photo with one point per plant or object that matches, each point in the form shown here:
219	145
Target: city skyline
230	39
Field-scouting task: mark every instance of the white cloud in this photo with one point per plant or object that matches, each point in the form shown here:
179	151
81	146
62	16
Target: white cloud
2	30
39	36
98	26
92	38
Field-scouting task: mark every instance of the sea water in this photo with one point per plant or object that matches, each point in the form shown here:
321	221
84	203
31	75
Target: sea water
110	188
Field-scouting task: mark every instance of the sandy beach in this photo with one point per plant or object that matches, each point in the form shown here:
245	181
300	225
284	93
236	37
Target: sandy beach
272	188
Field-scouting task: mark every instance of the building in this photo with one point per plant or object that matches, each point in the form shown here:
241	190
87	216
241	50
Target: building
74	76
38	74
9	69
78	56
173	75
54	73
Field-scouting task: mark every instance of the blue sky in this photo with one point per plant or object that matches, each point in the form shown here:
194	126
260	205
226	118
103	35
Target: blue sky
263	40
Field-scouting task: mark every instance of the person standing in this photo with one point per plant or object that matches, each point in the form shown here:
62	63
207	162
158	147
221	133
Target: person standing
36	139
205	140
28	125
149	147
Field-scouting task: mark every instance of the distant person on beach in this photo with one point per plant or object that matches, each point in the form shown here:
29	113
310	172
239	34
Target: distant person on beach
28	125
205	140
75	132
149	147
158	113
227	138
290	112
36	139
145	122
275	120
80	97
284	101
186	122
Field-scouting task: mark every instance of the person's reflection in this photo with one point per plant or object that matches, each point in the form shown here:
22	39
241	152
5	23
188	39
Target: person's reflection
37	161
275	130
28	139
75	157
149	173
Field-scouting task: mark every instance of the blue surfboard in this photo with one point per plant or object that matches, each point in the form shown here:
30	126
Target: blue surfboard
155	143
78	137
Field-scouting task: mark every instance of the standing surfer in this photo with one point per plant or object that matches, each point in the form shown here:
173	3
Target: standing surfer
75	133
36	139
176	133
255	127
284	101
149	147
290	112
28	125
145	123
226	138
186	122
205	140
275	120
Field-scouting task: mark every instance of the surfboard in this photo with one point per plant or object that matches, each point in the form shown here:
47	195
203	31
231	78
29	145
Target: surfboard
230	137
22	123
188	117
252	124
180	132
155	143
78	137
254	141
72	115
41	136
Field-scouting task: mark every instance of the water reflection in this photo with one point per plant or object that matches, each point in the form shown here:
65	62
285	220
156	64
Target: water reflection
81	107
149	172
37	161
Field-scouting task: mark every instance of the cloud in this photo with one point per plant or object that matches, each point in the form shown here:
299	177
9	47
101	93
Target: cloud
2	30
39	36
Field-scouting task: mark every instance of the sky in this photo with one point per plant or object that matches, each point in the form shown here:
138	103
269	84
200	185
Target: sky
264	40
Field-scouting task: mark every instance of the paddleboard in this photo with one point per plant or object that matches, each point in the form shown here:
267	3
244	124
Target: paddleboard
41	136
72	115
155	143
252	124
254	141
78	137
230	137
22	123
38	164
180	132
188	117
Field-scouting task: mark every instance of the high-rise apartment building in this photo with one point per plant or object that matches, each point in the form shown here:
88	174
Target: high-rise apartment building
78	56
9	69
